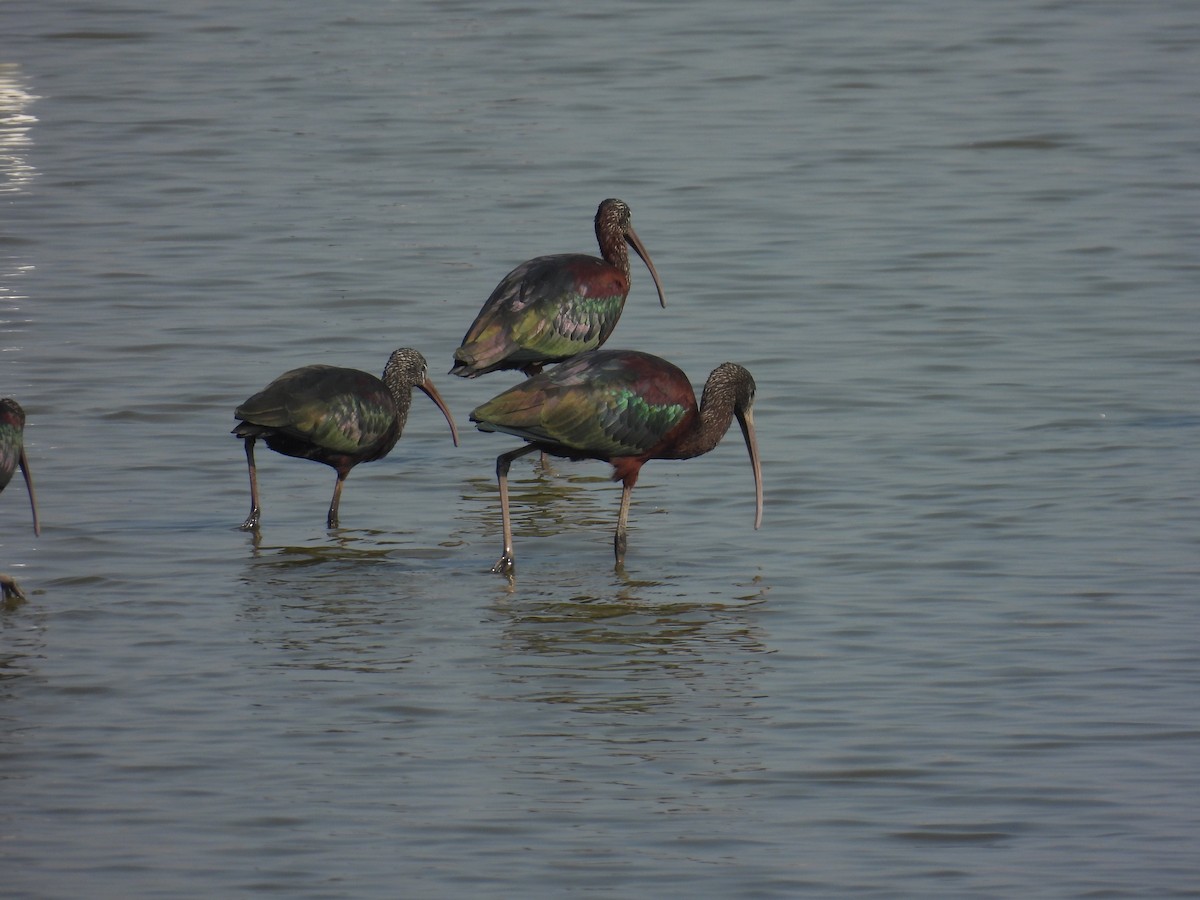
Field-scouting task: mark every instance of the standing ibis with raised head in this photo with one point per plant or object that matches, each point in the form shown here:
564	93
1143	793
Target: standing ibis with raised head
552	308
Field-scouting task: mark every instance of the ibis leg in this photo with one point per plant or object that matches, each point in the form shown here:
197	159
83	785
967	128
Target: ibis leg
621	539
505	565
331	520
255	513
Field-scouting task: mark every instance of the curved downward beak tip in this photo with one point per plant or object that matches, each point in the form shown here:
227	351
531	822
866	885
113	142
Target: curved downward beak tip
746	420
432	393
23	462
636	243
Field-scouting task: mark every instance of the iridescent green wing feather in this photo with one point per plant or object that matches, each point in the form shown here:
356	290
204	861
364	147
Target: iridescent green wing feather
576	309
595	403
340	410
546	309
11	441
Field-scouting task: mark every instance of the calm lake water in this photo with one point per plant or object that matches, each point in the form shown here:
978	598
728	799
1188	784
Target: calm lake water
956	244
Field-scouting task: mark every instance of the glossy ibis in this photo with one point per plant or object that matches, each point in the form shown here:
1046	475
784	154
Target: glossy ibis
340	417
12	452
624	407
554	307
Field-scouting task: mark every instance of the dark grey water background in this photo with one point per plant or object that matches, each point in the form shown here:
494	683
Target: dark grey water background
956	244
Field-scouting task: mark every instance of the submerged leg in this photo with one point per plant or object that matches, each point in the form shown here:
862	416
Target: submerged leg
255	513
621	538
505	565
331	521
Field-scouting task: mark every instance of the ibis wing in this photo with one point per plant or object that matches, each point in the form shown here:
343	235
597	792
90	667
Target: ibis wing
342	410
612	422
546	309
11	442
12	439
591	405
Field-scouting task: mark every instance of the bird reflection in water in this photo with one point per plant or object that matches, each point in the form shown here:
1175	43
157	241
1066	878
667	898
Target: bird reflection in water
617	651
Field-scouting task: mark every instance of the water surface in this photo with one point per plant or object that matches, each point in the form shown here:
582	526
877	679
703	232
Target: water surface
956	248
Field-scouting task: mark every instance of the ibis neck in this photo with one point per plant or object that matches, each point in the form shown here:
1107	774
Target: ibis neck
711	423
401	393
613	247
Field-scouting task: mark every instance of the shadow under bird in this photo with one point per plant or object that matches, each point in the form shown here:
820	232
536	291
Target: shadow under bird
626	408
339	417
552	308
12	457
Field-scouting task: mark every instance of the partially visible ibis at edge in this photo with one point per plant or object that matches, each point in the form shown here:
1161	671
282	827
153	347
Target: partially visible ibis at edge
12	452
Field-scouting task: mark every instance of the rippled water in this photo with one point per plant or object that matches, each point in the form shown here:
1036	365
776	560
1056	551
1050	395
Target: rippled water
955	245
